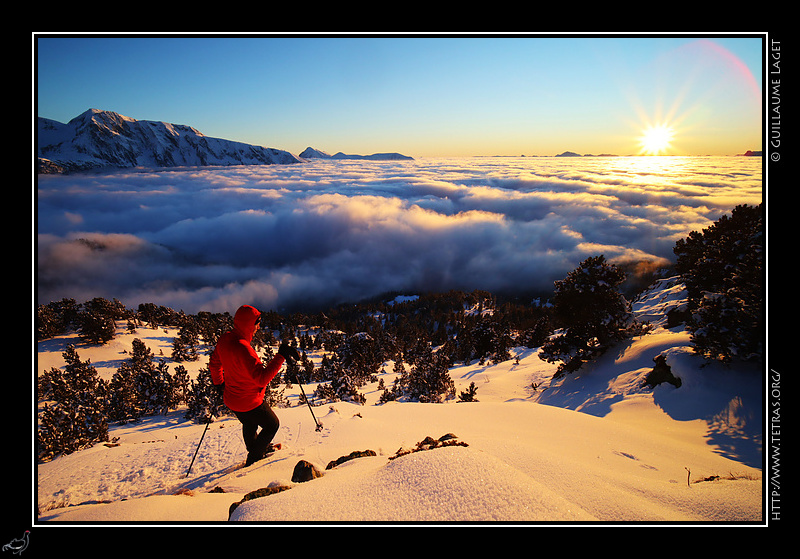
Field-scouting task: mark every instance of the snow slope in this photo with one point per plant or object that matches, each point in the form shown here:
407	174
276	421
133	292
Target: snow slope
593	447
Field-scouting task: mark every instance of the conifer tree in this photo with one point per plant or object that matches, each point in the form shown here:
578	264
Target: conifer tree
591	312
96	321
154	388
306	368
56	318
184	346
428	380
140	386
723	269
490	339
342	383
468	395
180	386
75	416
123	400
205	401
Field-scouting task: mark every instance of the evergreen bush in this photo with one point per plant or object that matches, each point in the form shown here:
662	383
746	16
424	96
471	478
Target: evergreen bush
722	267
205	400
75	416
591	312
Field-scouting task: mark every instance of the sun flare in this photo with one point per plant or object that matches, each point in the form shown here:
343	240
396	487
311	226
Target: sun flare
656	140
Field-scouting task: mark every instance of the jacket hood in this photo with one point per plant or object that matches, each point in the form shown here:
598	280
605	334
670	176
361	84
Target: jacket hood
244	321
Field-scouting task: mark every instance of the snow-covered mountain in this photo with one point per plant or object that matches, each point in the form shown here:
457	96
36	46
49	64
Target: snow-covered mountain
312	153
98	139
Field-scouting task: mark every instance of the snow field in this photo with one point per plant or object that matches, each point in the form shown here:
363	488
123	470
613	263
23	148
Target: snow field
590	447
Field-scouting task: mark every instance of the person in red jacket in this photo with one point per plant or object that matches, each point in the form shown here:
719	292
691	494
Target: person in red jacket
239	372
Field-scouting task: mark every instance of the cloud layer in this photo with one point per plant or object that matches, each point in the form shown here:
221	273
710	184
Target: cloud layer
326	232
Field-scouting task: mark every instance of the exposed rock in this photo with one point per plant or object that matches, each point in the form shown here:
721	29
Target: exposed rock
661	373
263	492
355	454
305	471
47	167
429	443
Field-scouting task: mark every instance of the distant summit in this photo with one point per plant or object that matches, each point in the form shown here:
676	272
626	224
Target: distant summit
573	154
100	139
311	153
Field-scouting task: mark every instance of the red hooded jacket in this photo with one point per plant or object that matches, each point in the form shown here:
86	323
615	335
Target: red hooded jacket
236	363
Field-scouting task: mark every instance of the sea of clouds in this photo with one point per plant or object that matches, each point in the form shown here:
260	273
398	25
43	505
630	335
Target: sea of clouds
323	232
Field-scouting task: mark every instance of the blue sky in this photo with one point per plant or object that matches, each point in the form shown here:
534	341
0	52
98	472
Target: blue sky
422	96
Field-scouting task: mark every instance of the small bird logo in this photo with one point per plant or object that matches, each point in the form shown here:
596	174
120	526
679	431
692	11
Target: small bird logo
18	545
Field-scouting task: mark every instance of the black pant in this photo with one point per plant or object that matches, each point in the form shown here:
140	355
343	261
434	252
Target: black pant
257	444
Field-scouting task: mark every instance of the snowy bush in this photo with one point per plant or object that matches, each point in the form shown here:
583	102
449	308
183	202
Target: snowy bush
342	385
485	338
96	319
428	380
361	356
184	346
205	400
123	401
141	387
468	395
74	418
56	318
341	388
355	361
723	270
535	335
591	313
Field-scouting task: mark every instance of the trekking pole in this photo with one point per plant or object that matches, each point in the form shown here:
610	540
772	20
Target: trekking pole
319	425
198	447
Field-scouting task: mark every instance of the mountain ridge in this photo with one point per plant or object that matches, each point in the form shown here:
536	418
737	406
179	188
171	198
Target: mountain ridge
100	139
312	153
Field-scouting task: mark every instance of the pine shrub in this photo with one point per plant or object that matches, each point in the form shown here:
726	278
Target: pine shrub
722	267
591	312
428	380
74	416
468	395
205	401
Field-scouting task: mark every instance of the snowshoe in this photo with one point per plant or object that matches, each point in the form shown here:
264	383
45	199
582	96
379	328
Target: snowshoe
271	449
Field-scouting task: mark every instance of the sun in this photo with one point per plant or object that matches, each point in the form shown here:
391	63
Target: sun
656	140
